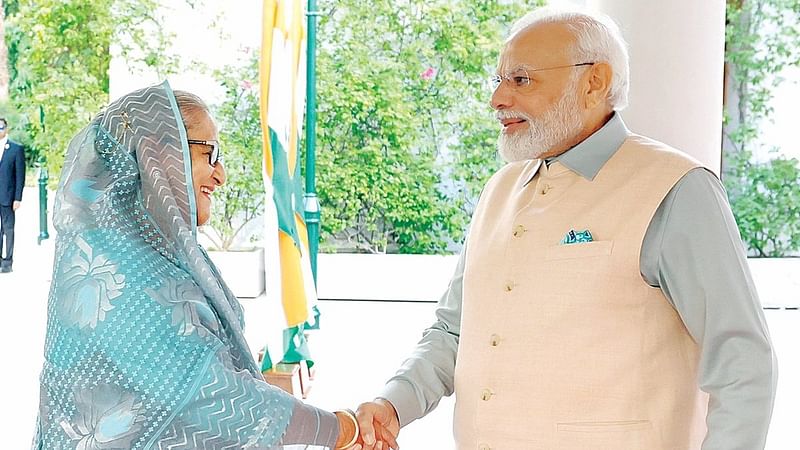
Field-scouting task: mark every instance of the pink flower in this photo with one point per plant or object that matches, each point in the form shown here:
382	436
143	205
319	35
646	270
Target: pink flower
247	85
428	74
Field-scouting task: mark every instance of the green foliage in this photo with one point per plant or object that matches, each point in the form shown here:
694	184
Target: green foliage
767	207
406	138
17	128
762	39
59	55
241	198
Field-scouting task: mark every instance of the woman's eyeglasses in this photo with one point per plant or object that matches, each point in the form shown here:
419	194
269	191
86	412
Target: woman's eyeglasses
214	157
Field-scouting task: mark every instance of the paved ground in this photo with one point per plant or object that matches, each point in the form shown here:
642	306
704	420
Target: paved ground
360	345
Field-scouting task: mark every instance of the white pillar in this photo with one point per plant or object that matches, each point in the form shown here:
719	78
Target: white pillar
676	59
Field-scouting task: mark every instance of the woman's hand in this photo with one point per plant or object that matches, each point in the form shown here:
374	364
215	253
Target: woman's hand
348	431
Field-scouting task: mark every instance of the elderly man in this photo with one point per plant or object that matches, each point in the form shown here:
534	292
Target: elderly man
603	299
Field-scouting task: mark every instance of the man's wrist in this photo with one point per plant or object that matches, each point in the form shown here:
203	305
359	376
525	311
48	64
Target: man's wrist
388	404
402	396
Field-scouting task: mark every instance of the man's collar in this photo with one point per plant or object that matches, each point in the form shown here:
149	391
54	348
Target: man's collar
588	157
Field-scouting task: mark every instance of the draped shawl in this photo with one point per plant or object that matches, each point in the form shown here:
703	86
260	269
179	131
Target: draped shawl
145	346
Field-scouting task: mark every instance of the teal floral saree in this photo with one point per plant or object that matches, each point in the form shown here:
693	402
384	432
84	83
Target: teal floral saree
144	345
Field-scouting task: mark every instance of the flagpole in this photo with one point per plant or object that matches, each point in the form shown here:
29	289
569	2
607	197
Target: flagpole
311	203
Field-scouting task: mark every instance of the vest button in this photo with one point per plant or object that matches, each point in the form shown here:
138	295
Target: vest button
545	189
494	340
509	286
519	230
484	447
486	395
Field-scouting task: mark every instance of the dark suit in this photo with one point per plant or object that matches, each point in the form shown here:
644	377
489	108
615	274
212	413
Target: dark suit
12	180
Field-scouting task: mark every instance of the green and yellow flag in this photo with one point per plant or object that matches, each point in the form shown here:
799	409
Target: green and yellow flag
283	90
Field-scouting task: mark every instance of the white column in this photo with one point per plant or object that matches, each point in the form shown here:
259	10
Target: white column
676	59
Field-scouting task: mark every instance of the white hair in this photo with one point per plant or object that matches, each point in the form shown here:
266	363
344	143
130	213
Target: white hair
597	39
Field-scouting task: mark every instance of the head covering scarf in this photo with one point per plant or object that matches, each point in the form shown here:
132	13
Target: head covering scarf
144	345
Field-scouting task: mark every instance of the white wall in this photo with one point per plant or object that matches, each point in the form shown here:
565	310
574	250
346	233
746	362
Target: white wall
696	26
676	63
384	277
426	277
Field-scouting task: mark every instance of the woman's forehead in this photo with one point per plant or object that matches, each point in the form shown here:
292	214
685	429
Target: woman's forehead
202	127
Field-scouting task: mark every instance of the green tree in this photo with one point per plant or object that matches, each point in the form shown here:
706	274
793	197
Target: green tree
769	214
405	134
241	199
762	38
59	56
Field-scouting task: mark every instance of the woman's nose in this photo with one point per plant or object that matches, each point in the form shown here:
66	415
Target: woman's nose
219	174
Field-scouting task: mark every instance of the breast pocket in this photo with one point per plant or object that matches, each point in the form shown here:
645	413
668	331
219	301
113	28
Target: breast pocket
582	250
582	272
617	435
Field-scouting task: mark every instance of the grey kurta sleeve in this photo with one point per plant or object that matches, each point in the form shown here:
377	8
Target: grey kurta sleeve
694	253
313	426
428	374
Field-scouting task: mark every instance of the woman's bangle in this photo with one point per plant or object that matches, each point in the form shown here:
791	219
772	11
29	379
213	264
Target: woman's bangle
352	416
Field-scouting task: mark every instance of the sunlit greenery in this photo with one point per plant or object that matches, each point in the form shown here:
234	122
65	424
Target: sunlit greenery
59	56
762	39
406	138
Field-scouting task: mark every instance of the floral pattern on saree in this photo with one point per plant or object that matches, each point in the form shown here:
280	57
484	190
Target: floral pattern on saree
190	311
90	282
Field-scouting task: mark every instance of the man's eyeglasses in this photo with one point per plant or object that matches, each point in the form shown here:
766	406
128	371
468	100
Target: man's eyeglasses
519	79
214	157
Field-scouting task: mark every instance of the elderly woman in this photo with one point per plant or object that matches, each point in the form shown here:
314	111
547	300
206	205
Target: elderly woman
144	346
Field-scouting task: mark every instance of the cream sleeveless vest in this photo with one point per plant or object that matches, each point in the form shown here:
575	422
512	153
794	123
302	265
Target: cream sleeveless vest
564	346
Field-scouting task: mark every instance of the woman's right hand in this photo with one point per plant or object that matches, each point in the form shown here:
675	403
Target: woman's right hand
348	431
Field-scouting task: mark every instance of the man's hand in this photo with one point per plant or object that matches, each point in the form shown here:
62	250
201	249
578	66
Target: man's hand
379	425
16	205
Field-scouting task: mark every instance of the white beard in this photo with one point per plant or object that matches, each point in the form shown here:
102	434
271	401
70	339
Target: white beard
557	125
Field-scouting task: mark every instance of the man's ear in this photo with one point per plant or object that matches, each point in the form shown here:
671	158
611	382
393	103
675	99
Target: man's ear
597	84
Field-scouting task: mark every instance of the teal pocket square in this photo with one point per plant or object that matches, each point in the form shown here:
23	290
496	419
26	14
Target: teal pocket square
577	237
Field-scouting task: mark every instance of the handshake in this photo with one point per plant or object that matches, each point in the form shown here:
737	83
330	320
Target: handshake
374	426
